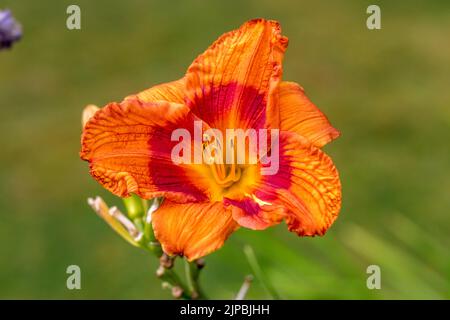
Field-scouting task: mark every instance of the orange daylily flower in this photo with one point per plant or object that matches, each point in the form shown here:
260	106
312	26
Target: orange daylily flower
235	83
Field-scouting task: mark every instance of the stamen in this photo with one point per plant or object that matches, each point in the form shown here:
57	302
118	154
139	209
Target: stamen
258	200
224	175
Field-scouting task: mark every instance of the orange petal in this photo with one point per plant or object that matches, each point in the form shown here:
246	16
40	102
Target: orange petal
298	114
192	230
171	91
128	146
307	185
228	85
249	213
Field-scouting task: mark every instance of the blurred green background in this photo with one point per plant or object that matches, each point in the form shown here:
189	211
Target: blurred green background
387	90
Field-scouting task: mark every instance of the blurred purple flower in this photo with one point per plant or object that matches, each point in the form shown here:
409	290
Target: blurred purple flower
10	29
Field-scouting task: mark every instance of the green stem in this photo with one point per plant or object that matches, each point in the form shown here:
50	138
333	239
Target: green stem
174	280
192	274
137	211
251	257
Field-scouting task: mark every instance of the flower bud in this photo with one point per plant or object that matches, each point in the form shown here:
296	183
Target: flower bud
117	221
135	206
166	261
160	271
88	113
177	292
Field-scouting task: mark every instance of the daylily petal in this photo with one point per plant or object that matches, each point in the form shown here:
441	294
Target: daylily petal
298	114
171	91
249	213
307	185
128	146
192	230
229	85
